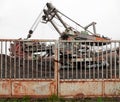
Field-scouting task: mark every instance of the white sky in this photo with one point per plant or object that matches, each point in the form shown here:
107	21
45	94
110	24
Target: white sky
17	17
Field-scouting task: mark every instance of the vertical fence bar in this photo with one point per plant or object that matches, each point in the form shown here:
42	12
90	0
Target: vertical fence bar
11	58
37	58
81	60
19	69
119	58
85	59
94	60
63	59
76	56
32	58
45	62
67	60
89	63
1	60
50	54
111	60
98	60
6	67
106	60
102	63
56	67
27	61
115	60
22	57
71	57
15	46
41	60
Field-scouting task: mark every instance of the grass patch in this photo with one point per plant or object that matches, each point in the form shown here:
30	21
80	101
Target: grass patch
55	98
100	99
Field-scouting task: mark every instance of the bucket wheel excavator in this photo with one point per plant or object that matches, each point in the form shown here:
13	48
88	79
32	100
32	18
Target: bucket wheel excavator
48	15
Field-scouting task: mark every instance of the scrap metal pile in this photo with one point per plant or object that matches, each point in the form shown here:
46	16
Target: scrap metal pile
27	49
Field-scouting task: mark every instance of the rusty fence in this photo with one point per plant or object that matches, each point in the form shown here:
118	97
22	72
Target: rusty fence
89	60
40	68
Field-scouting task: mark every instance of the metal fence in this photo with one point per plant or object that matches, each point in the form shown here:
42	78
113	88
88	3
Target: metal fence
77	59
89	60
26	59
58	66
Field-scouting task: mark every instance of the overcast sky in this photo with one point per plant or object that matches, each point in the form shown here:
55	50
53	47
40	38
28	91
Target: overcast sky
17	17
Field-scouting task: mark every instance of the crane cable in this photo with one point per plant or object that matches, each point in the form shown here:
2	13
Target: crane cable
35	24
66	24
74	22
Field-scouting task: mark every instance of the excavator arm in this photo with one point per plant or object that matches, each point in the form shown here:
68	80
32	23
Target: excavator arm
51	12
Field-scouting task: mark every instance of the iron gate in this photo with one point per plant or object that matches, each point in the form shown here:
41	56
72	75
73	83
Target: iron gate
40	68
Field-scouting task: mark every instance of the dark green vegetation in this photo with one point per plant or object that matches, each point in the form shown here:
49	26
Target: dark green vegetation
55	98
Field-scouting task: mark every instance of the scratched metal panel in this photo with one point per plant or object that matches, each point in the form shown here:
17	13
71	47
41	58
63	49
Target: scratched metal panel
80	89
5	88
33	88
112	88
